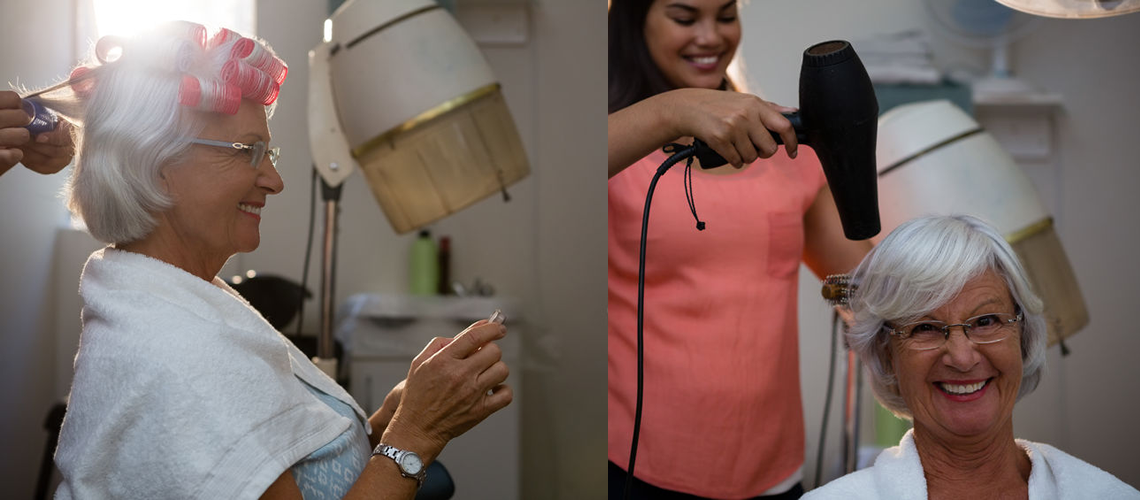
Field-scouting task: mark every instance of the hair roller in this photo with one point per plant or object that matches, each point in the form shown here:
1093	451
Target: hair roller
192	31
257	56
82	81
105	46
190	92
255	84
209	95
222	37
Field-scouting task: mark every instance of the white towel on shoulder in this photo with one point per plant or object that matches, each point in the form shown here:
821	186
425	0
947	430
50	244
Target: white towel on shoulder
1054	475
182	390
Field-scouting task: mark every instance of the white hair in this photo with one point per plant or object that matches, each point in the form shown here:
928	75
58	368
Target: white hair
922	265
131	124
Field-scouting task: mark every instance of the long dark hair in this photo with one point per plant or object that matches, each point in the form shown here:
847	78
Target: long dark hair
633	76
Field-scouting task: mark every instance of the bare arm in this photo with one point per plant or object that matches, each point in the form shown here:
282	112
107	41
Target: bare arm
733	124
826	250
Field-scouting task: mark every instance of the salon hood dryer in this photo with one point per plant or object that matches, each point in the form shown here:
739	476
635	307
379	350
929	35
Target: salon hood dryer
398	88
935	159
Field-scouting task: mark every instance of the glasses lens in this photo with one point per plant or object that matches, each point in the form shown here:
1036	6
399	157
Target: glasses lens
258	153
925	334
989	327
274	154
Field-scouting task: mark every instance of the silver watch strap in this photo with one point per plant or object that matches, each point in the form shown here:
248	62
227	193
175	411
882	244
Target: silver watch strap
396	454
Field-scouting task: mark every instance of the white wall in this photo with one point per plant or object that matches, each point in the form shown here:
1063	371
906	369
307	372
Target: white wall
37	49
545	247
1087	403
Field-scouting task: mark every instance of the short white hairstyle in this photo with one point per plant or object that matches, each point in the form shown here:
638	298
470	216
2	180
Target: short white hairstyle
131	123
922	265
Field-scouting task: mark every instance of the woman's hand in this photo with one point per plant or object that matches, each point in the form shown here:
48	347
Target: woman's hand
46	153
452	385
379	420
735	125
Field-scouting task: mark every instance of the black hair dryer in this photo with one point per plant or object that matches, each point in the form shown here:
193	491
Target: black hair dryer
838	118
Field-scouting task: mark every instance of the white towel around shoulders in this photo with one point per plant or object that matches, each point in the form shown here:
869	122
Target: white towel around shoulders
182	390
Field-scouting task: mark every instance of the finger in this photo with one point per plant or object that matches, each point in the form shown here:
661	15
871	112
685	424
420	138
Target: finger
765	145
727	151
472	325
744	147
494	375
49	150
487	356
500	396
9	158
38	162
10	100
60	137
44	164
470	340
777	122
431	349
14	118
14	136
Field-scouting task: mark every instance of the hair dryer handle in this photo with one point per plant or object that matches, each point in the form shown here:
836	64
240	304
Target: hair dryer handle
711	159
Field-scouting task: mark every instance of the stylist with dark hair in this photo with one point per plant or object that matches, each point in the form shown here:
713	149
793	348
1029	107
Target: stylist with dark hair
722	415
46	153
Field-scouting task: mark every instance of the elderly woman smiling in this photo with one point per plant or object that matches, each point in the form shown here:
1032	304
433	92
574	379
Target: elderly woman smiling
181	389
953	336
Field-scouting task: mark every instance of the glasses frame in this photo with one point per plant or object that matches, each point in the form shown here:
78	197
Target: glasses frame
901	331
258	150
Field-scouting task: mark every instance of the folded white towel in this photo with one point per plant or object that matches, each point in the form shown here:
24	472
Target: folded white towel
182	390
1054	475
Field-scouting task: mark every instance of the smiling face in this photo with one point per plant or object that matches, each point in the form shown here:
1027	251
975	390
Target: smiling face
217	193
963	389
692	41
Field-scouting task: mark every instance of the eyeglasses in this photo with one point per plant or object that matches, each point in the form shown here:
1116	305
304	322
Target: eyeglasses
928	335
257	150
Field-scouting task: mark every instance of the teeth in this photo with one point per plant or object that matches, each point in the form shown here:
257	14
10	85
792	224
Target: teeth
249	208
704	60
964	389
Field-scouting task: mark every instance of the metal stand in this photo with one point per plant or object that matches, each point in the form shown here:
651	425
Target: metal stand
326	351
851	408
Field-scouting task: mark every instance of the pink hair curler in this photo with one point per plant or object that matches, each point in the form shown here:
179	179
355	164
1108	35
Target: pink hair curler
222	37
105	46
213	95
259	57
194	32
82	81
255	84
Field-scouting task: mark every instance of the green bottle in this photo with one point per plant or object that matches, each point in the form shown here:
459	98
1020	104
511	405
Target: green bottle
424	272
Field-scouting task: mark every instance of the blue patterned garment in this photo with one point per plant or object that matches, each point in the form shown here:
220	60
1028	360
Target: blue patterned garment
329	472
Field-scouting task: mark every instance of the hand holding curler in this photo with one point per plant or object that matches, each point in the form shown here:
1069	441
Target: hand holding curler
46	150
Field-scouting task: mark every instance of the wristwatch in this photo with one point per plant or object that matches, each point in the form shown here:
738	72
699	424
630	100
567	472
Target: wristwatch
409	462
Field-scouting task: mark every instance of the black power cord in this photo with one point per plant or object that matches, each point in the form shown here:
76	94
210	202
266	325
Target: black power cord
680	152
827	398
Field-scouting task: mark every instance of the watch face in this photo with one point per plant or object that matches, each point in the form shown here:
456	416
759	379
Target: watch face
411	463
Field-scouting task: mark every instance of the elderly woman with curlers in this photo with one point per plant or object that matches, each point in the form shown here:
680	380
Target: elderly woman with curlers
953	336
181	389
